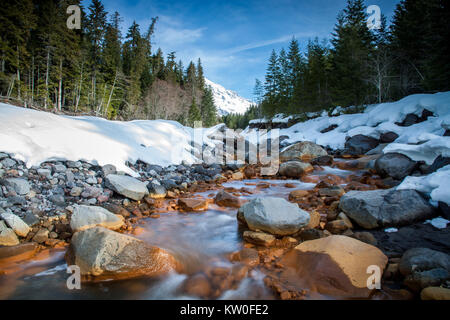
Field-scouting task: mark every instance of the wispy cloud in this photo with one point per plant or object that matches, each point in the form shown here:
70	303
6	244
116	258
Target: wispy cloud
264	43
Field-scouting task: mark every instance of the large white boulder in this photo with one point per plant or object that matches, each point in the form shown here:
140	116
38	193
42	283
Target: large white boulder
85	217
108	254
274	215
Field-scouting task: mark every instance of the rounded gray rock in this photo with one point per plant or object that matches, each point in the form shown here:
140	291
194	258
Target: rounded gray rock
274	215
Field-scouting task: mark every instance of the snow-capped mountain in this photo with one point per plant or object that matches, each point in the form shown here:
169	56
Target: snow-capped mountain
227	101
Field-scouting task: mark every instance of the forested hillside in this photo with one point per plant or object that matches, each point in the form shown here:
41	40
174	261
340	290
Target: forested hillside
95	70
360	66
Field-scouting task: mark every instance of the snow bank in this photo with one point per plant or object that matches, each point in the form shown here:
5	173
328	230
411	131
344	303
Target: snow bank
422	141
35	137
437	185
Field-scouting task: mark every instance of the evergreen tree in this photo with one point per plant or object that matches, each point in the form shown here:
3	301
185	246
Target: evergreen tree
194	113
270	105
200	76
95	32
208	108
16	21
353	45
316	92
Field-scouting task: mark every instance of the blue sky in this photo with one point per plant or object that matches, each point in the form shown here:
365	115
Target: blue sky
233	38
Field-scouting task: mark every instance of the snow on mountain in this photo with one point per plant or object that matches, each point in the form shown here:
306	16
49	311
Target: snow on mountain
227	101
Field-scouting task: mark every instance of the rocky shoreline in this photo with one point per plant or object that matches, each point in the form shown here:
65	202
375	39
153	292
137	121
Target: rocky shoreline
80	205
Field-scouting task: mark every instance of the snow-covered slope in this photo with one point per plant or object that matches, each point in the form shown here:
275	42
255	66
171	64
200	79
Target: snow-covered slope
423	141
35	136
227	101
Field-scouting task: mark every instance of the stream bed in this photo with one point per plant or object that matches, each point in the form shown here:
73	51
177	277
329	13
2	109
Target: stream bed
197	240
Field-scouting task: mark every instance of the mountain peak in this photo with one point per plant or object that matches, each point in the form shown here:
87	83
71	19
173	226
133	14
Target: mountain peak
227	101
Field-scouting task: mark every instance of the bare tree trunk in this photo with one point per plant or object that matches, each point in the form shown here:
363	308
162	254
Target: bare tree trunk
110	95
11	87
60	85
32	81
46	78
79	88
18	74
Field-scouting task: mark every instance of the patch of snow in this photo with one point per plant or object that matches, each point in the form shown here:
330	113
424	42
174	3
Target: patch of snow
391	230
227	101
36	136
438	223
422	141
436	184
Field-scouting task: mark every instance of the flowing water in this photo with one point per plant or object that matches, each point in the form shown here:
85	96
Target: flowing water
198	240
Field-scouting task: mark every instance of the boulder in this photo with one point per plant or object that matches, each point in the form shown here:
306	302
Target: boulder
435	293
314	220
360	144
19	185
323	161
438	163
296	195
259	238
116	209
104	253
16	223
127	186
445	210
388	137
409	120
7	236
423	267
295	169
85	217
423	259
41	236
419	280
302	151
333	191
274	215
193	204
108	169
156	191
224	199
381	208
337	265
394	165
377	151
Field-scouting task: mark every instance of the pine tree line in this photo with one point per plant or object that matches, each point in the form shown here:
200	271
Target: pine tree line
361	66
95	70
